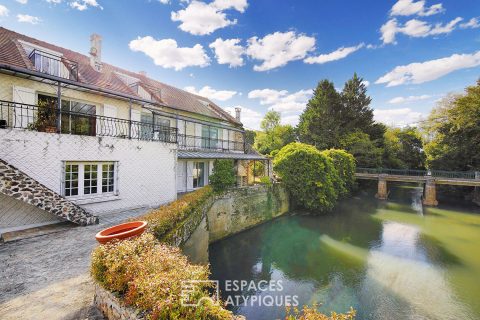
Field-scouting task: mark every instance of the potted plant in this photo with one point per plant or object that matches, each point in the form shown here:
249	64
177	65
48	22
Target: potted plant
121	231
46	120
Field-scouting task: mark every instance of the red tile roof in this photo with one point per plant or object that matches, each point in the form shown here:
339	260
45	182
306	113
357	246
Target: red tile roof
13	54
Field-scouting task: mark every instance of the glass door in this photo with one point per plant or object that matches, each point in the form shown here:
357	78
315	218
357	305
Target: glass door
198	174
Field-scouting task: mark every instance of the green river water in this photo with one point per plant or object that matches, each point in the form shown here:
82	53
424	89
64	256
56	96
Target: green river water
387	259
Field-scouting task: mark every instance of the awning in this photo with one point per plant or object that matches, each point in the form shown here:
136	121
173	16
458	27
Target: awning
182	154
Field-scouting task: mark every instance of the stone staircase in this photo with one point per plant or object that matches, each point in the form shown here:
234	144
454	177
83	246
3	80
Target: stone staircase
16	184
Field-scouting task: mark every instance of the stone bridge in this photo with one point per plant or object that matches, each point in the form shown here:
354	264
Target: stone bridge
430	178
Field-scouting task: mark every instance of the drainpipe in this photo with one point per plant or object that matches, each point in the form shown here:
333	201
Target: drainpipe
59	107
129	118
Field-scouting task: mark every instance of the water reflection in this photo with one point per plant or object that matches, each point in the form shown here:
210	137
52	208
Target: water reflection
389	260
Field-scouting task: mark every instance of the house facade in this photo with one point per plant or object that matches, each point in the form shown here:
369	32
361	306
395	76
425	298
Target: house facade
105	138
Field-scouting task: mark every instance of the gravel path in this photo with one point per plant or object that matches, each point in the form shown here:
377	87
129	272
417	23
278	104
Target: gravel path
47	277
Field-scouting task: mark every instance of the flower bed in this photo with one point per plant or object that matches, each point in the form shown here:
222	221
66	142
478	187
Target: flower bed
147	275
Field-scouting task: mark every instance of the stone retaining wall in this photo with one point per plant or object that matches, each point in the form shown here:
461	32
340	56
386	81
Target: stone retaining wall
112	307
18	185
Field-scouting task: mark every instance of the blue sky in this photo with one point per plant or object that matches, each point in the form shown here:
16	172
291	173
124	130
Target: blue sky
270	54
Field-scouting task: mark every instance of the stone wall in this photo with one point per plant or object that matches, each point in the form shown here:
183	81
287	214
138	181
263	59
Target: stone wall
228	214
243	208
112	307
18	185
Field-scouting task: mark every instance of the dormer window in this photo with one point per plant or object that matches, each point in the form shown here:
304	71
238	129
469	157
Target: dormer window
50	62
54	65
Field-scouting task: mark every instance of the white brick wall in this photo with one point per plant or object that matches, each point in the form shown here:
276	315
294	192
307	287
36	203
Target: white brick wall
146	173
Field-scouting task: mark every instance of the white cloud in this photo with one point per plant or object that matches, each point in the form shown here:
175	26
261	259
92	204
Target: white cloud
419	72
338	54
28	19
82	5
164	1
54	1
415	28
281	100
411	7
366	83
471	24
250	118
221	95
228	51
3	11
279	48
398	100
200	18
167	54
291	120
388	31
22	1
397	117
445	28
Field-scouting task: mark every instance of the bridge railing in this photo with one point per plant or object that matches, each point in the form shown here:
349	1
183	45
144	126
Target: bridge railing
421	173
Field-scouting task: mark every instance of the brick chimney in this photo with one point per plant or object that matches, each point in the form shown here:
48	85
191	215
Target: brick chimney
237	113
96	52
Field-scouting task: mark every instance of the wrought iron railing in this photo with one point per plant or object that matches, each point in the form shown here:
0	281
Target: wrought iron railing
50	119
196	143
422	173
54	65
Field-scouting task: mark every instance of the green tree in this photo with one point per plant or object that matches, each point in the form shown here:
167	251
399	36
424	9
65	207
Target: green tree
366	153
332	117
270	121
275	135
404	149
453	132
223	175
308	175
321	121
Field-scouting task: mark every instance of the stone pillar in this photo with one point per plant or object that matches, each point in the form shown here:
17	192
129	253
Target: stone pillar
476	191
430	194
382	192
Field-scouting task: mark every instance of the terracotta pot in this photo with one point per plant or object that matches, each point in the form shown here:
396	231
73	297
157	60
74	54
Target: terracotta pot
50	129
121	231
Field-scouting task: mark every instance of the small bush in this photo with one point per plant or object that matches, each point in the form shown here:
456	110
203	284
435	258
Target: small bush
162	220
308	313
223	175
266	181
148	275
309	176
344	163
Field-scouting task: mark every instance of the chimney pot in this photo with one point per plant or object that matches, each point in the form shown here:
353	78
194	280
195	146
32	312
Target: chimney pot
237	113
143	73
96	52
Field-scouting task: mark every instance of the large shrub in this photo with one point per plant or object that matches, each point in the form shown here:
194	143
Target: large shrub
309	176
344	163
223	175
148	275
162	220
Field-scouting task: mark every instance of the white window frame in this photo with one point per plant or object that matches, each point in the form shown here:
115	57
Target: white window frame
81	171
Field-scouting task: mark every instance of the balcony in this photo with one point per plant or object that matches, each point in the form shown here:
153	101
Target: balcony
54	65
48	118
196	143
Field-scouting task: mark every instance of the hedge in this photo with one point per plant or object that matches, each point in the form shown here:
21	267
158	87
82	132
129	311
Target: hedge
164	219
344	163
309	176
